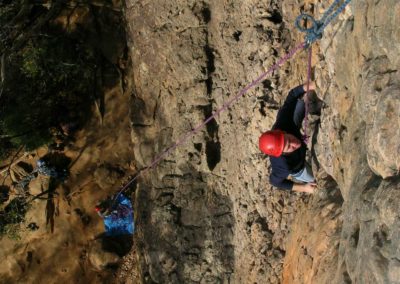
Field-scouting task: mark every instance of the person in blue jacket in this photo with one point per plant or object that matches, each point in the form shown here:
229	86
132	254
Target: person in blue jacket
285	147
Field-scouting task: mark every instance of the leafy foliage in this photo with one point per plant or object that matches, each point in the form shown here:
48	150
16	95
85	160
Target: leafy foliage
11	218
53	83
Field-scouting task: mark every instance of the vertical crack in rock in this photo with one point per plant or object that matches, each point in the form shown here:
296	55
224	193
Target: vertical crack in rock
185	225
213	146
210	66
206	13
213	153
209	52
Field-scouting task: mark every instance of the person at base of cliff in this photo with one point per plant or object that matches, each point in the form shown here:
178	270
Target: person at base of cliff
285	147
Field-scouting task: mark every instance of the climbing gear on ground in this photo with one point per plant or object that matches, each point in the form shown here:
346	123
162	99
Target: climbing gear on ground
272	142
316	30
118	220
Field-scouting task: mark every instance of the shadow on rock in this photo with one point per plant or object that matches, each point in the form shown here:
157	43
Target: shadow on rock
120	245
185	230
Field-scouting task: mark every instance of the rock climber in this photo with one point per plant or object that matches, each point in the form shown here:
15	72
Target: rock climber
285	147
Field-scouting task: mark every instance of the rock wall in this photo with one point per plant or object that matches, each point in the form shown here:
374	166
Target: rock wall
357	143
207	213
359	137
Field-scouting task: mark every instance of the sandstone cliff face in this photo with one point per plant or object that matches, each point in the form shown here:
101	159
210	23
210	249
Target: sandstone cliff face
358	145
207	213
360	133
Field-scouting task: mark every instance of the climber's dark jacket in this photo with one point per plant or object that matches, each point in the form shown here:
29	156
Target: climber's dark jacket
293	162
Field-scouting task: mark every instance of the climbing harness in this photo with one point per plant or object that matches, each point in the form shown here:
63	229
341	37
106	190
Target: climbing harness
312	34
317	27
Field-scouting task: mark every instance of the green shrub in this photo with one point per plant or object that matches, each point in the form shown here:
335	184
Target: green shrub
53	83
11	218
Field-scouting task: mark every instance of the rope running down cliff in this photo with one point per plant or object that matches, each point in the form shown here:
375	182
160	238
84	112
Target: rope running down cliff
226	105
312	34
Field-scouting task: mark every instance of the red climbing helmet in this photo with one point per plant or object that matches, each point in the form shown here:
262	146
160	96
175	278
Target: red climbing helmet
272	142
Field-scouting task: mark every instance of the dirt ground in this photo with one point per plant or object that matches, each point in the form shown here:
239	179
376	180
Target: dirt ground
101	162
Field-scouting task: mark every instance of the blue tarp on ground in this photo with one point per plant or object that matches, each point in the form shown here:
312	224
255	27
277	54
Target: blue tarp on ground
120	221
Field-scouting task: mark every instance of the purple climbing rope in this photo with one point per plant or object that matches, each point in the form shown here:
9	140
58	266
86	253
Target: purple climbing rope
306	98
224	107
